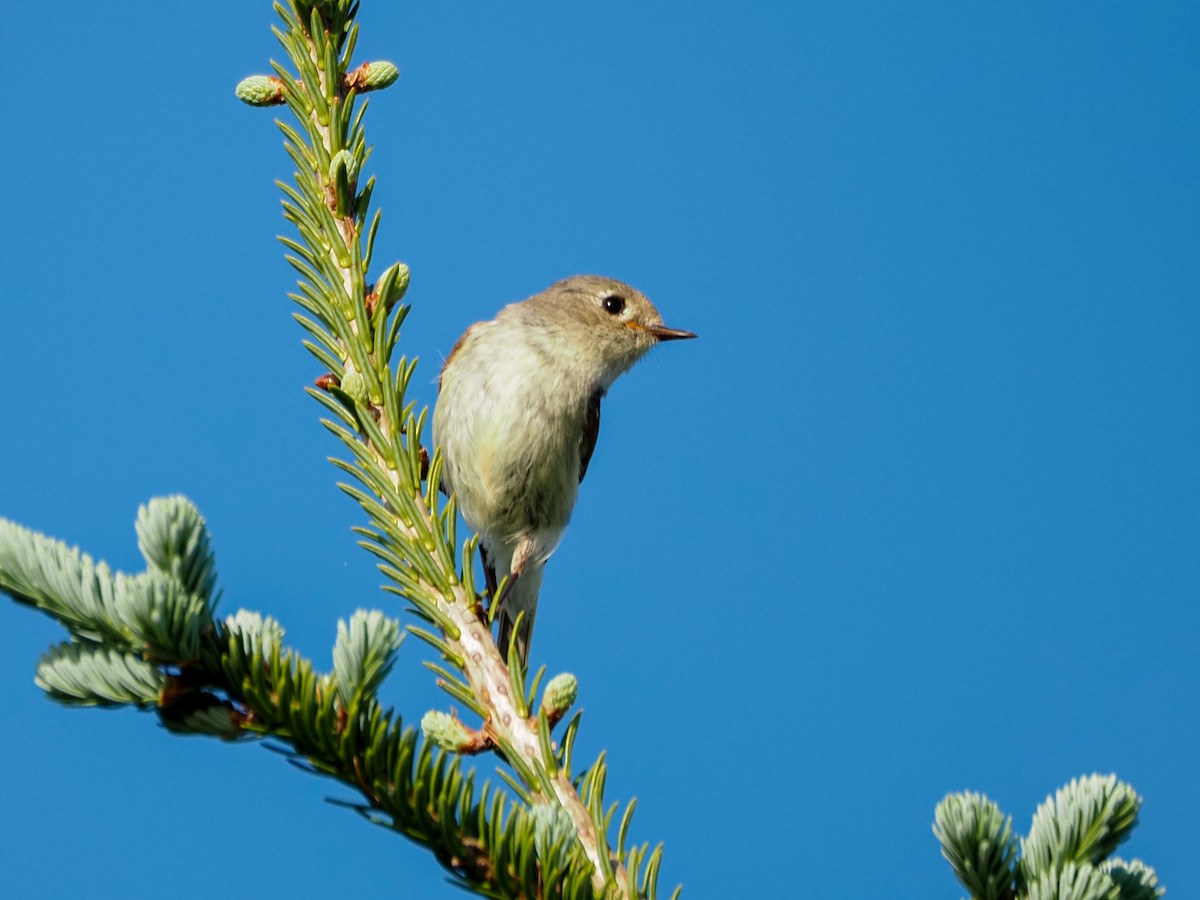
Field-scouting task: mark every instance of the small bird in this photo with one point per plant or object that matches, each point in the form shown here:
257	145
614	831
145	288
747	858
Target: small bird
517	418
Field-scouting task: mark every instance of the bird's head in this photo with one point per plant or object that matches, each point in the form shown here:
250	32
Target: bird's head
606	324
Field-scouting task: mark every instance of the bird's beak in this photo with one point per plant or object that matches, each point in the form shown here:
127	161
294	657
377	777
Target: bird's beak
668	334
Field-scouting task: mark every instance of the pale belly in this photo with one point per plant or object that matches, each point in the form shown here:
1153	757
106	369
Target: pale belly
513	461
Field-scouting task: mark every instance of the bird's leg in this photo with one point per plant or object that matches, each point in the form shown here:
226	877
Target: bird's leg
489	582
489	571
507	632
506	593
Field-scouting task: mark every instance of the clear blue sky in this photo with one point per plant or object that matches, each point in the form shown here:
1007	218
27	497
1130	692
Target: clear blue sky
920	512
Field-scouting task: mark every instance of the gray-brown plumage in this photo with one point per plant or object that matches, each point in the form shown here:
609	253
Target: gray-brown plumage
518	416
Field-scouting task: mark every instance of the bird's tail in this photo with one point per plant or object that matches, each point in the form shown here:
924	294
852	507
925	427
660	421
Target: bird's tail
519	602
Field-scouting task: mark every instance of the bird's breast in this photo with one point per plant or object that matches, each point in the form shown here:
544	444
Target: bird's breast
509	423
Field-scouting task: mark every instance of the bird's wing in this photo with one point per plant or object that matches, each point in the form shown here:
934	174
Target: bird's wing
591	431
458	345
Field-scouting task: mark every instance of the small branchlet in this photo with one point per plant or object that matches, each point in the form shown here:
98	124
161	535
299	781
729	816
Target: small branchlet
354	327
1068	851
448	732
151	640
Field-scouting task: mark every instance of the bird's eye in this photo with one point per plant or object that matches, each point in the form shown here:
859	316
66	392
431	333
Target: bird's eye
613	304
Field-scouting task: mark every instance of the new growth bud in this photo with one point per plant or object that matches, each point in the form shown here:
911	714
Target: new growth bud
260	90
392	284
343	159
380	75
354	385
560	695
372	76
444	730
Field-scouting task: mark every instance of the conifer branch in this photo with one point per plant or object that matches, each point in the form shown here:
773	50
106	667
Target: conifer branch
152	639
1067	854
356	325
239	681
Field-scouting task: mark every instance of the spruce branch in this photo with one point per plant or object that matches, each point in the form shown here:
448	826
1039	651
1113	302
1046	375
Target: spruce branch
977	841
354	327
243	682
1083	823
1067	854
152	639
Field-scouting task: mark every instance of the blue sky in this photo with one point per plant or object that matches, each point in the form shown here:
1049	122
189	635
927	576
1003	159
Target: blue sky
920	512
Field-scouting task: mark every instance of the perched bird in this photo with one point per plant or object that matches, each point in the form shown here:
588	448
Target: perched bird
517	417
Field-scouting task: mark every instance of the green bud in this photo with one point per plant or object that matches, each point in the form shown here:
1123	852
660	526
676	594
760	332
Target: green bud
260	90
370	76
346	159
392	284
444	730
354	385
560	694
379	75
